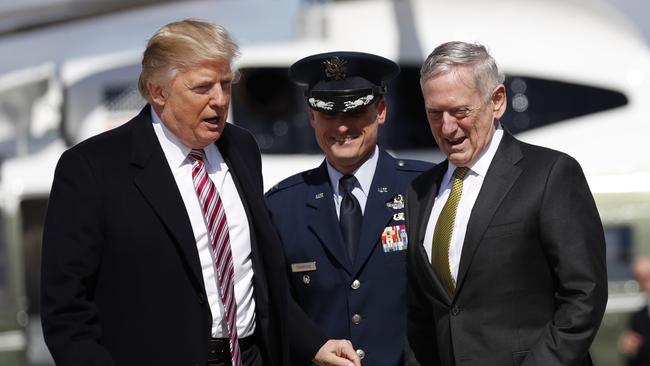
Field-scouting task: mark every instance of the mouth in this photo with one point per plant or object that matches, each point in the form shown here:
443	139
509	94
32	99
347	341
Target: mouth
212	120
343	139
456	141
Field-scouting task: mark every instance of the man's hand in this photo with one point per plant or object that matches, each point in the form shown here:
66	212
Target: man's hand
337	352
629	343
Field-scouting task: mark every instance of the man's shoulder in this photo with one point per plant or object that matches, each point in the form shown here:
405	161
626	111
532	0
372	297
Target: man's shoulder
412	166
109	141
292	184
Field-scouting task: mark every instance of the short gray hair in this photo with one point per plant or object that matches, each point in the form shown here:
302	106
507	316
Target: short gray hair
451	54
183	44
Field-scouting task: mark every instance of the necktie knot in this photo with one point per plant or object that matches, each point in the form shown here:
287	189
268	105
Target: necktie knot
347	182
196	155
460	172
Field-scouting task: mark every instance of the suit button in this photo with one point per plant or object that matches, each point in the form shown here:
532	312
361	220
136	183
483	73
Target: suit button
355	284
356	319
361	353
455	311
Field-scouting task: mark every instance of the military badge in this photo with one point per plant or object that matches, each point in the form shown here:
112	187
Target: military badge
394	238
397	203
399	216
335	68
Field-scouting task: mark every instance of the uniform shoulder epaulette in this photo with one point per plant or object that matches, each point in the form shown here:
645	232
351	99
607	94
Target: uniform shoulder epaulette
414	165
289	182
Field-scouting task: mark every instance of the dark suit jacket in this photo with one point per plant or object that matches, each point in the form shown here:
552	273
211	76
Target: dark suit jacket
121	276
532	282
302	208
640	323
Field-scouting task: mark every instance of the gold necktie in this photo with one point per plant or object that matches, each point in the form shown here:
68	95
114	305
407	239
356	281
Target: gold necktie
444	228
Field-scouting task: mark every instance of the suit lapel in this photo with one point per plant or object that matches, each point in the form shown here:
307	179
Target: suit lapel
156	183
322	216
424	212
376	214
245	184
499	179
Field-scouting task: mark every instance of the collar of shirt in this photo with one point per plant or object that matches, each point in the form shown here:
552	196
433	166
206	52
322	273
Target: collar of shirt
364	174
480	166
176	152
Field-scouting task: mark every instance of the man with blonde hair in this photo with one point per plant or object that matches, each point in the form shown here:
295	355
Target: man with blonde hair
157	247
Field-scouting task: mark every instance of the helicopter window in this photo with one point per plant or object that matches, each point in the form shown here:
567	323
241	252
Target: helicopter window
273	108
534	102
4	265
619	253
32	215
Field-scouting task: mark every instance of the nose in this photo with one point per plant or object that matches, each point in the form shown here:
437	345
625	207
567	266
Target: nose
219	98
342	123
449	124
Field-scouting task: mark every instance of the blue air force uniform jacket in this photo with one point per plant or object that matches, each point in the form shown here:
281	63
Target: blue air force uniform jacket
364	300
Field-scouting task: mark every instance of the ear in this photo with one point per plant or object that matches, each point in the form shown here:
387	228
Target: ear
311	117
158	93
382	110
499	101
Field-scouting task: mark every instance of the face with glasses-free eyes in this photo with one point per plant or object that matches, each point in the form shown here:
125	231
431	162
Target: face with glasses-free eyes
193	102
461	120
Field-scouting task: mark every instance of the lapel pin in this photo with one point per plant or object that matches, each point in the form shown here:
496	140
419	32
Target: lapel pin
320	195
382	189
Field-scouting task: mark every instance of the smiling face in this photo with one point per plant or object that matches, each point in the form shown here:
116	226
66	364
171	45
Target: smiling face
461	120
348	139
193	105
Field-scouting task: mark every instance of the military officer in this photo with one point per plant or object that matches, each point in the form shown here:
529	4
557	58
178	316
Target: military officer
342	223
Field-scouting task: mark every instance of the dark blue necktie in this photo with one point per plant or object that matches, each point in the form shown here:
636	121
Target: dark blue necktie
350	215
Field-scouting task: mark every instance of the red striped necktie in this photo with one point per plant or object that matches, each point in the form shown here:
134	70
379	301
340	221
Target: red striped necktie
215	218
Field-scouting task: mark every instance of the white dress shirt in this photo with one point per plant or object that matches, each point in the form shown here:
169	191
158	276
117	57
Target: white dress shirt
471	187
364	175
240	242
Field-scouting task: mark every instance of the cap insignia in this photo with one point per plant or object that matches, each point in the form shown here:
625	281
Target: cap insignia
335	68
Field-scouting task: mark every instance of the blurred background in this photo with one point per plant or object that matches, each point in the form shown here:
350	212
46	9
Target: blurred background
577	76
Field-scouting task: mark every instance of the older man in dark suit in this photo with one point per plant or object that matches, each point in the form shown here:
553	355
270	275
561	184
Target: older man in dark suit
507	265
158	249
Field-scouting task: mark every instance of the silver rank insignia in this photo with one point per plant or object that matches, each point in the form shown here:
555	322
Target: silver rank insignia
397	203
399	216
319	195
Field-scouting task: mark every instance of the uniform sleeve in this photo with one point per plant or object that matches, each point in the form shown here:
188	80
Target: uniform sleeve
72	242
574	243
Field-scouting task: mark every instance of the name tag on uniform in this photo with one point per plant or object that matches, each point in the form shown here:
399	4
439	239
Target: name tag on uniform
394	238
303	267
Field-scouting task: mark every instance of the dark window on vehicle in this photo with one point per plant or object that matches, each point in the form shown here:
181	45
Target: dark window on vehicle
619	252
4	265
534	102
273	108
33	216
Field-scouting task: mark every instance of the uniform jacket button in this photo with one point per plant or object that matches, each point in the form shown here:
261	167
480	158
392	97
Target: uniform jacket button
361	353
355	284
356	319
455	311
